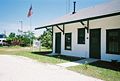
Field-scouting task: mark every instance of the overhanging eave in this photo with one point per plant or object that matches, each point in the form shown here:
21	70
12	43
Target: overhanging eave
74	21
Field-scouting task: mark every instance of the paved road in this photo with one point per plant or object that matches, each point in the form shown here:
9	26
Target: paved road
17	68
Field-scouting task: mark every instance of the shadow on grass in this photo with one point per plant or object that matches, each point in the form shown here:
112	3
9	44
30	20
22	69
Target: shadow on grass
42	52
102	64
62	57
107	65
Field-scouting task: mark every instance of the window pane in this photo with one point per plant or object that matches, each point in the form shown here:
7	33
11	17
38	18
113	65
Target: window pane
113	41
81	36
68	41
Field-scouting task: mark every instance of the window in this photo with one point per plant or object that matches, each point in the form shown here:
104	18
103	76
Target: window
68	41
113	41
2	36
81	36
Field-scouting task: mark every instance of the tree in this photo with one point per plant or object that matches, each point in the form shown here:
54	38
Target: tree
25	39
10	38
46	39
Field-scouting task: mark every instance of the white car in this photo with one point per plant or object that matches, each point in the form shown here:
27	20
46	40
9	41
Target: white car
2	41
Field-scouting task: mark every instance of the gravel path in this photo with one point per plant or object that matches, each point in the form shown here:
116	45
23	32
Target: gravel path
18	68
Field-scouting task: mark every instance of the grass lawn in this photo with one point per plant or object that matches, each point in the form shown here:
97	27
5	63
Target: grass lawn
39	56
101	69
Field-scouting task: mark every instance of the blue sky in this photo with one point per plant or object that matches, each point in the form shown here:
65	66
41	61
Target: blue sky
13	11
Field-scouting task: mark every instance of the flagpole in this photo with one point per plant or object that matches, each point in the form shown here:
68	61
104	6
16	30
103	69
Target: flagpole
29	16
30	30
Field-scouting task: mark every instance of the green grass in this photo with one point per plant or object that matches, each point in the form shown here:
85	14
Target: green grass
45	49
91	70
39	56
27	52
98	72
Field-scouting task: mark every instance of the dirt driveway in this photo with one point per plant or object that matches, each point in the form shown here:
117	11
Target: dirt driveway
17	68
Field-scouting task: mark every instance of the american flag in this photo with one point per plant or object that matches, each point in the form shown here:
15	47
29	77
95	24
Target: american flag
30	12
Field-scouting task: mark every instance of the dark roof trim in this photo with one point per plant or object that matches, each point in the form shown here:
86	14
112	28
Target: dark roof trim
42	27
91	18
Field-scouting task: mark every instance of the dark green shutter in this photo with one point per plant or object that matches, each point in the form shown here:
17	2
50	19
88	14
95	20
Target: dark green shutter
81	36
58	42
68	41
113	41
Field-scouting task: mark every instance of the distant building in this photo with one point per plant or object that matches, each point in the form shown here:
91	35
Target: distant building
2	39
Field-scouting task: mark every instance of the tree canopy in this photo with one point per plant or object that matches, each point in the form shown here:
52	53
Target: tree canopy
46	38
24	39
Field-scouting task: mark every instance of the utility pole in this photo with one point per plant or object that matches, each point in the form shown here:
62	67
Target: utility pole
21	22
5	32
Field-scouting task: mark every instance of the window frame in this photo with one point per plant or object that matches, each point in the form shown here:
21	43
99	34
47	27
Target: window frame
78	38
107	41
67	41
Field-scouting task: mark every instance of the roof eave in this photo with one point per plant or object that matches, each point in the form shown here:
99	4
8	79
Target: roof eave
90	18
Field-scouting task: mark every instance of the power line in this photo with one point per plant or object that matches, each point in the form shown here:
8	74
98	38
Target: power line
68	6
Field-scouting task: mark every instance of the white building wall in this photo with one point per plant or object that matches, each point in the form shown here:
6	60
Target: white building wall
82	50
106	23
79	50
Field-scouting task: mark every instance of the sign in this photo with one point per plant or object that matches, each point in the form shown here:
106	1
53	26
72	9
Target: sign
36	44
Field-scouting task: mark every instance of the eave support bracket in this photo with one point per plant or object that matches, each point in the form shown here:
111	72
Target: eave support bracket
62	30
48	29
86	27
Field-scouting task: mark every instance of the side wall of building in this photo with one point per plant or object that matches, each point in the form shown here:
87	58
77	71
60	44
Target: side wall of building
79	50
106	23
82	50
